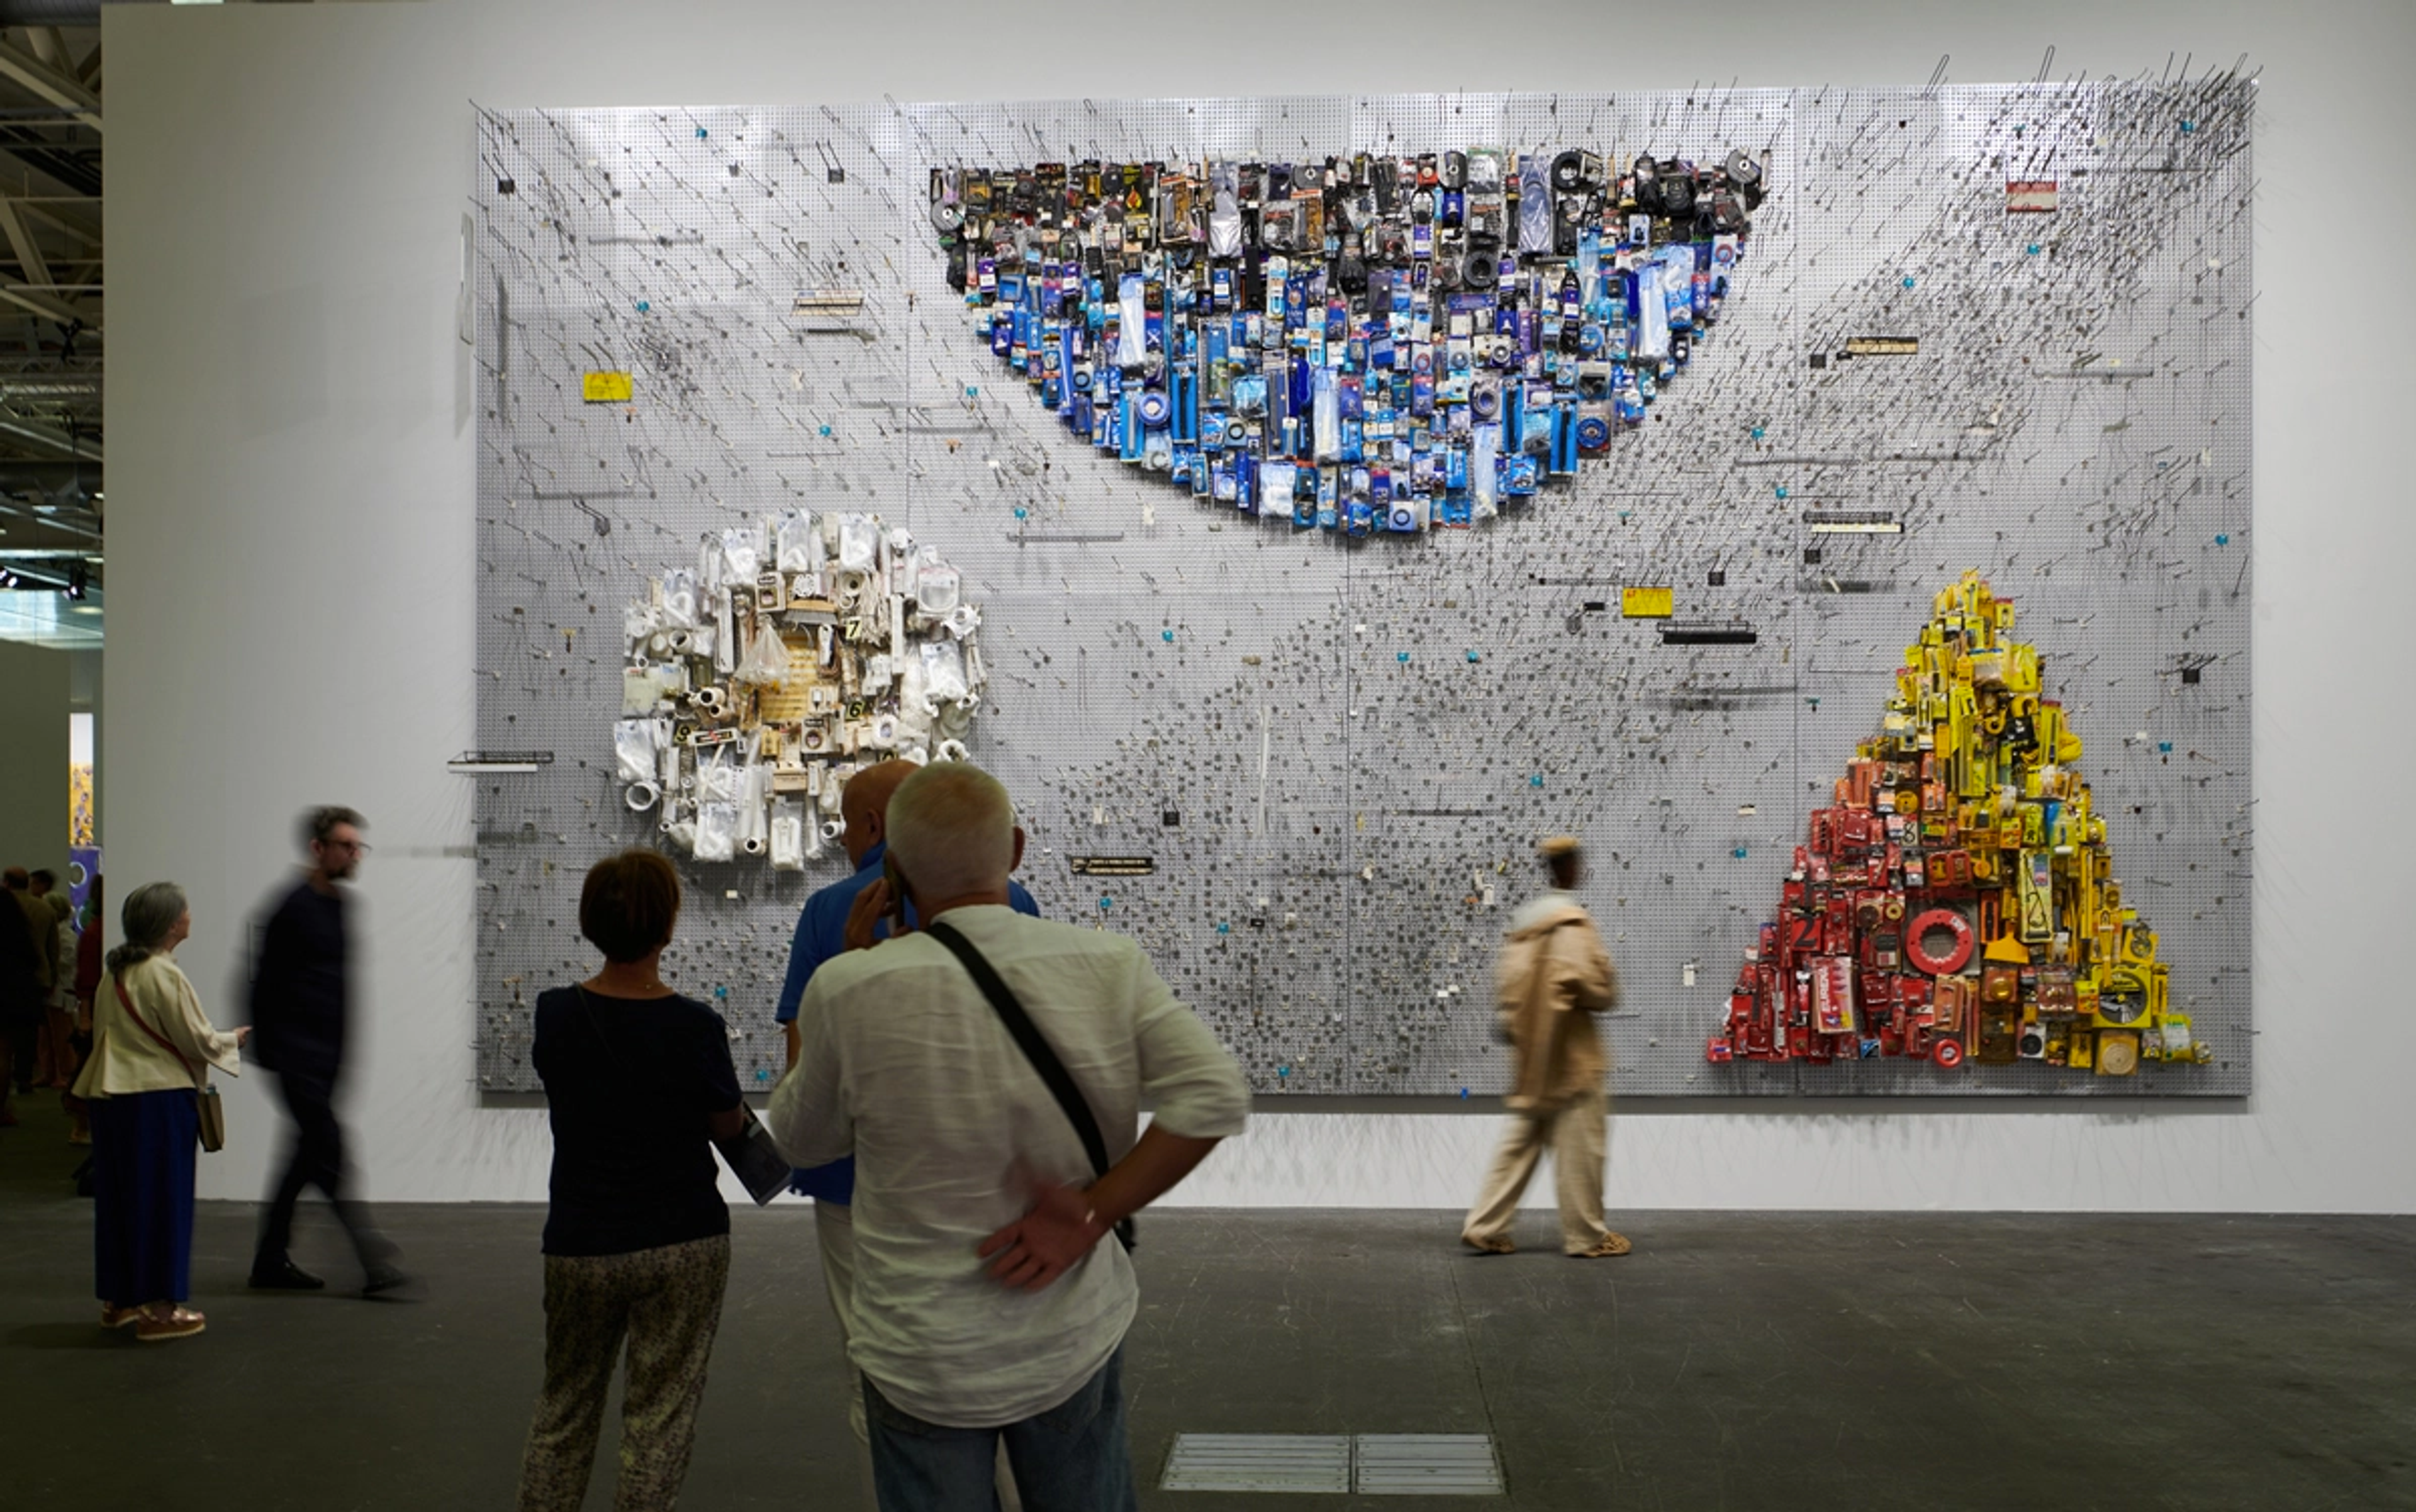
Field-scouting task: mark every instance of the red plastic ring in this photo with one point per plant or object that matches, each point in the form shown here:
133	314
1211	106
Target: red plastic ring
1948	1053
1938	918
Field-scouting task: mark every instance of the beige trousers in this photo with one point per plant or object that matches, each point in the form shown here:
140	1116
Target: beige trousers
835	1236
1577	1135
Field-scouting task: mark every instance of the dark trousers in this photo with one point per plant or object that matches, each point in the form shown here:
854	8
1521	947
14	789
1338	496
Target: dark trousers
316	1158
143	1151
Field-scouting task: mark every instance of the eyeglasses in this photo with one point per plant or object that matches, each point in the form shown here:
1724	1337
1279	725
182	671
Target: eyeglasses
356	847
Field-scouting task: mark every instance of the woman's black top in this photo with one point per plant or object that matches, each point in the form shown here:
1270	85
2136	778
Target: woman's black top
628	1082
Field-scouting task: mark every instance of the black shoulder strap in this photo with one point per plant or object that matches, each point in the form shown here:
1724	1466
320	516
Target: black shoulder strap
1035	1049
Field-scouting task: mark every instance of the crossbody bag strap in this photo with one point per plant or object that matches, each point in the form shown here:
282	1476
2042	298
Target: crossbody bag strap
1036	1049
127	1003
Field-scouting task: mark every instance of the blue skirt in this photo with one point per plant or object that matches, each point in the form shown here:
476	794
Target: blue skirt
144	1145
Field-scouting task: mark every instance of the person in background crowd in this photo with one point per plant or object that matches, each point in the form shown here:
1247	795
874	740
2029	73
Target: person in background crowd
87	981
1554	976
301	1007
821	937
152	1050
22	989
57	1057
985	1311
637	1084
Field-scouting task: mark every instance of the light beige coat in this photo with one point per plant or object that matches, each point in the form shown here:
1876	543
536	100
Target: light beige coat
1554	976
125	1060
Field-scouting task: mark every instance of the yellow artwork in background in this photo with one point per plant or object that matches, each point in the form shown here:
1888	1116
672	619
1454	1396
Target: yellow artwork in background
80	825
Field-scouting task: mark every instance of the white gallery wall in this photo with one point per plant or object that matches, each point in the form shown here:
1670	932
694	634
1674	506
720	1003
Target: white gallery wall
292	594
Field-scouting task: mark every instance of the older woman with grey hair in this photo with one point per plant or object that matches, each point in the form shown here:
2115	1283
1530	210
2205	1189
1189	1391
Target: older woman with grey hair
152	1050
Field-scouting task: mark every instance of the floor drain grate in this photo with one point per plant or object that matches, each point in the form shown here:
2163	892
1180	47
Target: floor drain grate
1259	1462
1373	1465
1426	1464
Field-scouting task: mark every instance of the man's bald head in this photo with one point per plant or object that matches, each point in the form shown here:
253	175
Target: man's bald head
864	807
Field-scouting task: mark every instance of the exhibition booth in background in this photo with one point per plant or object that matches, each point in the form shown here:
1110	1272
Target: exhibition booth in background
300	598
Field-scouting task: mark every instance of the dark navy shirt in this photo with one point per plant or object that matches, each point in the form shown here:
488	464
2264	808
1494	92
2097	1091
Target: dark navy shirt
822	935
628	1082
300	985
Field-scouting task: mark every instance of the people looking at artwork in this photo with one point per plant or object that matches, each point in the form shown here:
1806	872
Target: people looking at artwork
637	1084
987	1309
153	1050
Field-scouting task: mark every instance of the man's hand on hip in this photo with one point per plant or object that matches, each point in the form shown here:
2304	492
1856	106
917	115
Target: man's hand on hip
1041	1246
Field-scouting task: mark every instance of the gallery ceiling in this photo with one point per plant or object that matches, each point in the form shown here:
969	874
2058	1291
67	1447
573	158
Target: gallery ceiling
52	323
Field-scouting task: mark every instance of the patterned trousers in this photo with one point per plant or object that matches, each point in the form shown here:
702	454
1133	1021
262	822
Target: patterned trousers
667	1303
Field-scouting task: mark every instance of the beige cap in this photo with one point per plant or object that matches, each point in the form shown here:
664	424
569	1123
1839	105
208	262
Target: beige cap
1558	845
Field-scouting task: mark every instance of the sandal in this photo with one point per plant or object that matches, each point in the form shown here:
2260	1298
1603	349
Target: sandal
1603	1248
176	1323
1489	1247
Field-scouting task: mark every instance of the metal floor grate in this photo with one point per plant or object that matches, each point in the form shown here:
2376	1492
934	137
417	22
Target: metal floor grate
1259	1462
1426	1464
1373	1465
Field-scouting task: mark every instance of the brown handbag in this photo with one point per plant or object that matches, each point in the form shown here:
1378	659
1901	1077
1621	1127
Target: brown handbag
206	1098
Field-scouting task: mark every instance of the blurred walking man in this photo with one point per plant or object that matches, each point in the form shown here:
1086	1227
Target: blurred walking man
301	1003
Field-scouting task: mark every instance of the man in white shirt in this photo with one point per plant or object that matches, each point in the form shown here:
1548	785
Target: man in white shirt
986	1308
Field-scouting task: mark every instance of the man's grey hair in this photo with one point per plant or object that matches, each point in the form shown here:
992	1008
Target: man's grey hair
150	912
952	828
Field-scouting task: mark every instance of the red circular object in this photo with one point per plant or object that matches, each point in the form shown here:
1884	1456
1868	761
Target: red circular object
1948	1053
1916	934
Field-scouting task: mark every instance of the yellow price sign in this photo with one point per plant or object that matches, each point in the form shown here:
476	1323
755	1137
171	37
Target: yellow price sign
607	388
1647	603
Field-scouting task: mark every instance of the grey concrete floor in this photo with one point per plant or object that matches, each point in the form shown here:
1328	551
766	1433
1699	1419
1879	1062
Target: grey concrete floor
1799	1361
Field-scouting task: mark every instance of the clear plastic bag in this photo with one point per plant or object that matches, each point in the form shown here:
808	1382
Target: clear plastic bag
633	750
716	831
797	544
788	838
938	587
1223	209
943	673
767	663
679	601
742	554
859	542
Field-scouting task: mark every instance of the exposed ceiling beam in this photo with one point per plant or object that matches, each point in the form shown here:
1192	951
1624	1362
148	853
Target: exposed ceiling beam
50	45
39	435
49	83
89	74
35	267
84	230
51	307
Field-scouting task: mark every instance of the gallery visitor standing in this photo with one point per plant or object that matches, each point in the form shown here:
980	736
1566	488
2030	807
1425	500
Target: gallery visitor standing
638	1084
27	974
1553	978
821	938
987	1072
301	1011
153	1048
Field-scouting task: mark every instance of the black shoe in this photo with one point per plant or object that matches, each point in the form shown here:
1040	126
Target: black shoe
383	1280
285	1276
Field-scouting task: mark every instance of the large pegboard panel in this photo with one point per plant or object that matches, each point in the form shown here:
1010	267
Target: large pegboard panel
1338	753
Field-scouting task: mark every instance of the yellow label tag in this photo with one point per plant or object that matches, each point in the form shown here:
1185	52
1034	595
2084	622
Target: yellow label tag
606	388
1647	603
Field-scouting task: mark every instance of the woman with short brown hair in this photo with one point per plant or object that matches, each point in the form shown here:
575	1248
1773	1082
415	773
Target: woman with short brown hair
637	1084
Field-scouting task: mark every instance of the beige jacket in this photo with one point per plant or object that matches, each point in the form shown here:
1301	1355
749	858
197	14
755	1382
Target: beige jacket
1553	978
124	1060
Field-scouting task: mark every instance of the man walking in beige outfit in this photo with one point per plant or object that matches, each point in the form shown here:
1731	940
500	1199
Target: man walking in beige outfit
1553	978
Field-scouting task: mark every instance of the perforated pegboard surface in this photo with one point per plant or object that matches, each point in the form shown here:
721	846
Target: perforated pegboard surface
1344	743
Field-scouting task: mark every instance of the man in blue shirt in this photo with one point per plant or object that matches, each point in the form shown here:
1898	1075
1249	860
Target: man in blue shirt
822	935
